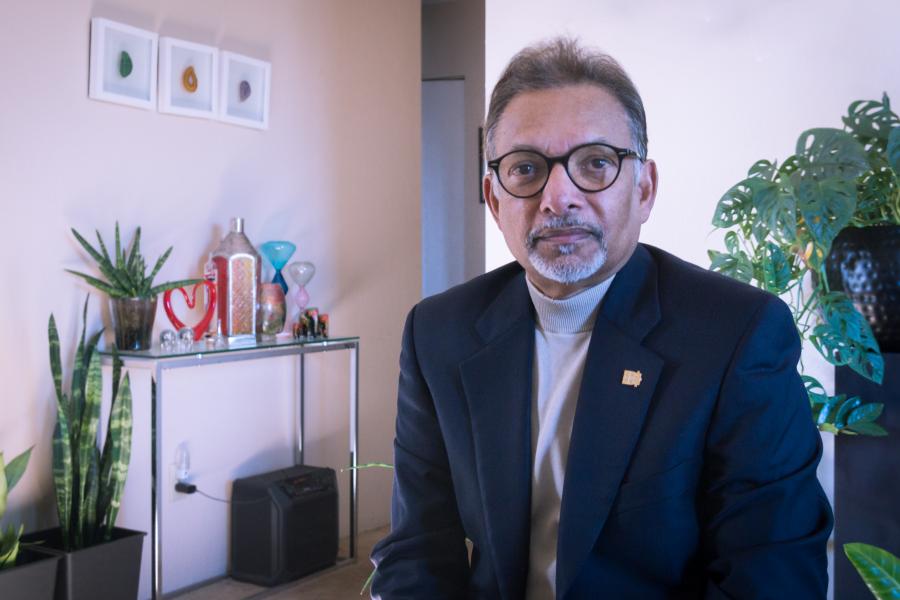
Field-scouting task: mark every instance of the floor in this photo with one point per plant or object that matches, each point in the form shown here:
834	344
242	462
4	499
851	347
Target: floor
338	583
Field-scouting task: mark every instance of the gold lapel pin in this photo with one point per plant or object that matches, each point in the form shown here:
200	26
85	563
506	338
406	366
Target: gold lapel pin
632	378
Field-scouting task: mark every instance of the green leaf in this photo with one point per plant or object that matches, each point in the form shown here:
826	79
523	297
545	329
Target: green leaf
845	338
763	169
171	286
119	430
91	250
826	207
4	487
159	263
866	428
893	150
776	212
15	469
879	569
100	285
63	482
870	122
135	249
120	256
866	413
734	266
831	153
775	273
734	206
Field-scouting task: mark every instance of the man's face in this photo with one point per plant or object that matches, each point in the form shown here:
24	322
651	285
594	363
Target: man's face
564	238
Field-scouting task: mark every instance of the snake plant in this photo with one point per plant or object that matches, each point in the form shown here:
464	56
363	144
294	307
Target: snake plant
9	476
126	273
88	482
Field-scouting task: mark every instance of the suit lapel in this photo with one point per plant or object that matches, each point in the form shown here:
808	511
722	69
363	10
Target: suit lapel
497	386
610	413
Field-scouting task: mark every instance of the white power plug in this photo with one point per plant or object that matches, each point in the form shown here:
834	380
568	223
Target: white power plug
182	463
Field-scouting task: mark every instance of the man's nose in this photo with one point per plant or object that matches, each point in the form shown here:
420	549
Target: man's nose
560	194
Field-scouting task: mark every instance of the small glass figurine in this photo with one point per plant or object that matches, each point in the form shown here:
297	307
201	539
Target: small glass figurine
185	338
167	340
278	252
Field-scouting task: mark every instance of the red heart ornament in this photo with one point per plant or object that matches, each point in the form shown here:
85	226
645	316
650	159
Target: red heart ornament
200	327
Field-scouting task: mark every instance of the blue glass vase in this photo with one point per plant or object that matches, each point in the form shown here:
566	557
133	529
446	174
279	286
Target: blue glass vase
278	252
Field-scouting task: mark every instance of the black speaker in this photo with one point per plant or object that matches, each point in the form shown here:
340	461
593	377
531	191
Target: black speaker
284	524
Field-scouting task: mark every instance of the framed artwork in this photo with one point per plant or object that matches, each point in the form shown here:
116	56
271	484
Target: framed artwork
123	64
244	90
188	78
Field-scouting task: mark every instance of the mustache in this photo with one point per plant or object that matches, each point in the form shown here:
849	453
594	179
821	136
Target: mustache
556	223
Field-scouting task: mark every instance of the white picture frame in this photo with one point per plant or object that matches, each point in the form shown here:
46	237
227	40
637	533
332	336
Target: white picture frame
188	78
117	48
244	88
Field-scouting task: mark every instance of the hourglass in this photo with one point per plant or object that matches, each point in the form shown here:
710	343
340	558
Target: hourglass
278	253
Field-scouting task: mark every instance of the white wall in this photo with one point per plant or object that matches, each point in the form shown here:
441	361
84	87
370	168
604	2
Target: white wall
337	173
724	84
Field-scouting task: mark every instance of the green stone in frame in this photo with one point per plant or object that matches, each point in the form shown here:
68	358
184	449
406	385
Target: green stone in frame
125	64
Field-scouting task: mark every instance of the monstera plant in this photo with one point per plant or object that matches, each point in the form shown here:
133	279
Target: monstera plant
781	221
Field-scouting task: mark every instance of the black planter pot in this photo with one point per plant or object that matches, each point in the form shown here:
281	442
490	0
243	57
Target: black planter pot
133	322
865	263
107	571
33	577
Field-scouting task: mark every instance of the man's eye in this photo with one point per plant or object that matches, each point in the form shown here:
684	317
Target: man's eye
522	170
596	163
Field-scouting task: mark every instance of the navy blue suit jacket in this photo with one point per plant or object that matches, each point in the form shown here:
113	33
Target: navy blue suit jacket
698	483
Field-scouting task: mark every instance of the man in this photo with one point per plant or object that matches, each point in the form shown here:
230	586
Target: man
599	419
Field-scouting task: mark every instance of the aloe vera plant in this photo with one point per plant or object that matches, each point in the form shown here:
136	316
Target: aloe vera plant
9	476
126	272
88	482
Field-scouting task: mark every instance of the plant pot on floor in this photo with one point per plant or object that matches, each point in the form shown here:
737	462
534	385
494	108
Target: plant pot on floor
106	571
32	578
133	322
865	263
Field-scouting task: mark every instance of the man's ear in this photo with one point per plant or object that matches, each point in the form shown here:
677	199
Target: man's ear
487	186
646	189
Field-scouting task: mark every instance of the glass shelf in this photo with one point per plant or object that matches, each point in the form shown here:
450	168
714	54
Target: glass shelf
198	349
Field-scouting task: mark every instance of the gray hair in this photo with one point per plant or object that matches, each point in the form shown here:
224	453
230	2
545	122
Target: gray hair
560	62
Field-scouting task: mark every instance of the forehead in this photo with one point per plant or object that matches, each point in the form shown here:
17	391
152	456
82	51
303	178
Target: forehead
557	119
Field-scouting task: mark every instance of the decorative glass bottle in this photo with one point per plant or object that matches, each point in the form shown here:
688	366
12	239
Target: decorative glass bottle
237	282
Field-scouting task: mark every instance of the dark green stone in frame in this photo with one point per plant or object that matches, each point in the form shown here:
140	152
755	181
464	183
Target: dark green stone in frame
244	90
125	64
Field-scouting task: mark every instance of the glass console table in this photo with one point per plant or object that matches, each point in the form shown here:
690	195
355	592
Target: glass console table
158	362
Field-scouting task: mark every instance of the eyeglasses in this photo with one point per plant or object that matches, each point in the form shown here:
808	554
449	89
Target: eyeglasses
591	167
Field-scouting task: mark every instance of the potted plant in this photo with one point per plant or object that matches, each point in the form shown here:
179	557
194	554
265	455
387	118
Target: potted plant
98	559
24	574
131	291
822	229
782	221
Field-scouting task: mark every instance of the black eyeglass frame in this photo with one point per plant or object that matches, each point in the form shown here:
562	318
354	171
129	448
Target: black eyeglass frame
563	159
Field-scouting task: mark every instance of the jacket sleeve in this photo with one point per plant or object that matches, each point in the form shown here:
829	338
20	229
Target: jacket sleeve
766	519
425	555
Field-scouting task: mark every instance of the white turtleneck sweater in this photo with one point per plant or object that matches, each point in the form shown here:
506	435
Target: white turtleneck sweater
562	334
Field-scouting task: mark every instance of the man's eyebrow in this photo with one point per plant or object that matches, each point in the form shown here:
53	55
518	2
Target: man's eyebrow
532	148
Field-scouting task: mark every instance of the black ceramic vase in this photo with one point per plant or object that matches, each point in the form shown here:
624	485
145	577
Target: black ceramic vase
133	322
865	263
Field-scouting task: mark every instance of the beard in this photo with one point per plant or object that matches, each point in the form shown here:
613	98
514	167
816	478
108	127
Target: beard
565	265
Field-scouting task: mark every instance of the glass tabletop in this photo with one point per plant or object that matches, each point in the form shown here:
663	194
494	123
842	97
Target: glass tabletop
208	347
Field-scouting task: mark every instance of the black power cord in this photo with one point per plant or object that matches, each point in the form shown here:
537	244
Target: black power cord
190	488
